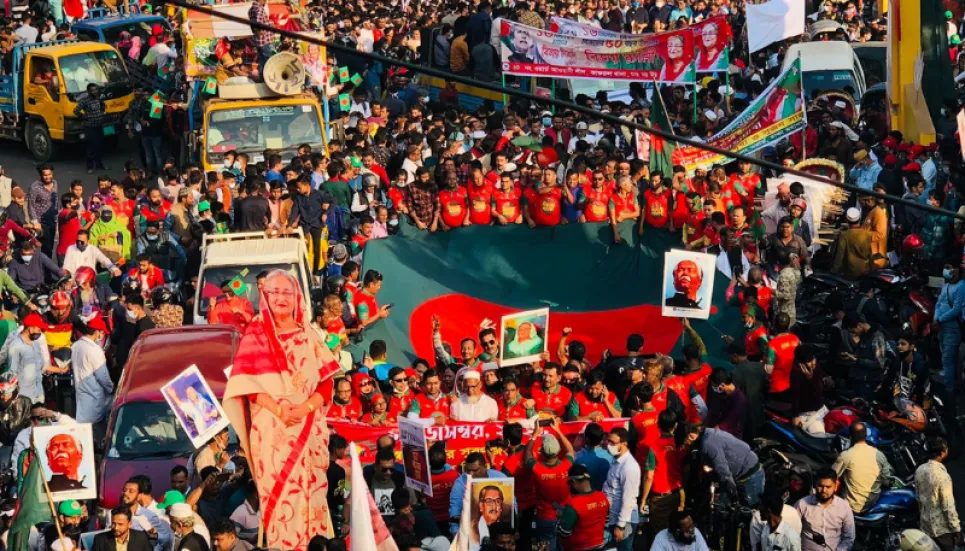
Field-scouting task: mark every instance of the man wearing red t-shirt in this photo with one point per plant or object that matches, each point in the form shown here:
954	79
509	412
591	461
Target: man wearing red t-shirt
432	403
623	206
368	161
453	205
549	394
662	471
779	356
480	193
543	202
584	515
550	478
656	203
344	405
513	407
443	477
596	200
515	467
506	207
500	160
401	398
595	402
70	220
694	377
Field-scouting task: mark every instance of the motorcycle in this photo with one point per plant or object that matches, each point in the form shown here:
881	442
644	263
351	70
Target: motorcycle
880	526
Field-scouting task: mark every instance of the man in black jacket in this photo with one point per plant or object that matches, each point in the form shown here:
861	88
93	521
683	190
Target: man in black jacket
252	213
132	540
308	208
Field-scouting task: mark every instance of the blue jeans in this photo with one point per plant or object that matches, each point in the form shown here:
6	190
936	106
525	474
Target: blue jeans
752	488
951	338
264	52
546	531
626	544
152	153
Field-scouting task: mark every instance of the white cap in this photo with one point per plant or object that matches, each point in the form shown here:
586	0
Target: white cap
490	366
509	167
710	114
840	104
756	77
181	510
725	90
478	134
582	126
65	544
853	214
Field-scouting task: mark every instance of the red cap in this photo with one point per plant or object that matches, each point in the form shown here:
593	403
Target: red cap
34	321
917	150
903	147
891	160
409	372
97	324
912	167
890	142
933	146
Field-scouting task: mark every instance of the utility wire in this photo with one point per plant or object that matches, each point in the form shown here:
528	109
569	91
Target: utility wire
616	121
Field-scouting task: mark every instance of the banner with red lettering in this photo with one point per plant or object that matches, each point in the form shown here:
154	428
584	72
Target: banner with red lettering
461	438
665	57
711	39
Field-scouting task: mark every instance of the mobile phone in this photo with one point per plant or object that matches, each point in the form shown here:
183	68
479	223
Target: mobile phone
390	305
545	422
223	477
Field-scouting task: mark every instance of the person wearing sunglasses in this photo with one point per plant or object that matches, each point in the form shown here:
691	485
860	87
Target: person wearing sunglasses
402	395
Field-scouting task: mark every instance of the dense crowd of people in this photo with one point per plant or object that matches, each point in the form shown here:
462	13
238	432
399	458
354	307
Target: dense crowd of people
86	273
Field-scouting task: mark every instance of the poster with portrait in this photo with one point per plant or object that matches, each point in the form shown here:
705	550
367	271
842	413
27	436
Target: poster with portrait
491	501
195	406
688	284
66	453
524	336
415	455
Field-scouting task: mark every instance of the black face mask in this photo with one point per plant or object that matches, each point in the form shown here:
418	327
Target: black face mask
107	216
81	246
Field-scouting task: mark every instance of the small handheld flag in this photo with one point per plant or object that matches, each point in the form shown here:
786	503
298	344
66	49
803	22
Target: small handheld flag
343	75
344	102
156	110
211	86
156	97
356	79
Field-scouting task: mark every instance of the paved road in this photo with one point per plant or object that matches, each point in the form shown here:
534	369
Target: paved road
69	164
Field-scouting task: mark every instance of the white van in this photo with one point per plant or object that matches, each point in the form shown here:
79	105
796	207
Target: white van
826	66
245	255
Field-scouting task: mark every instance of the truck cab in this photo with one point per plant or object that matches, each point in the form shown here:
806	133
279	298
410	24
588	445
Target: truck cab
252	125
827	66
39	96
243	256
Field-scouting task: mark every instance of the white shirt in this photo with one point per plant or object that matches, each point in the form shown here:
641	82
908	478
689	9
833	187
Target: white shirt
789	516
410	167
665	542
483	410
782	539
91	380
144	518
27	34
90	257
622	489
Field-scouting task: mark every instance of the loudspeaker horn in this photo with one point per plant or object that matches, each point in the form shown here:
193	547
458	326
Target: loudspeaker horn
285	74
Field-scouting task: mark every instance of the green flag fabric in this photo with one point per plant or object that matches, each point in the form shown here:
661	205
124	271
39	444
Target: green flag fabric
32	508
661	151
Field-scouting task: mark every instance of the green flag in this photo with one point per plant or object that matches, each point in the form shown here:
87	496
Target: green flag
32	509
661	151
211	86
157	109
356	79
344	102
237	284
343	75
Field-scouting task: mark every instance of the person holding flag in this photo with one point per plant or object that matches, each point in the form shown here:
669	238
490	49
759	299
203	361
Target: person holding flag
231	308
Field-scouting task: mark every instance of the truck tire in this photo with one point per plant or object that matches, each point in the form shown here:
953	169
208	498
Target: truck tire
39	143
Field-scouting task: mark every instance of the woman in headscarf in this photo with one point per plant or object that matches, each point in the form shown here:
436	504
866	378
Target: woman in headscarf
277	398
365	389
110	235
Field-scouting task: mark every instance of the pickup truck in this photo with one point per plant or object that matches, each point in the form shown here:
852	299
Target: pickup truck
39	96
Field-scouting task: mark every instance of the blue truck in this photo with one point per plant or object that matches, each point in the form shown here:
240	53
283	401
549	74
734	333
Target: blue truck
106	27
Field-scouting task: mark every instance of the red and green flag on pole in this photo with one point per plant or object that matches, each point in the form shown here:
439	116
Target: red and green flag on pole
661	150
32	509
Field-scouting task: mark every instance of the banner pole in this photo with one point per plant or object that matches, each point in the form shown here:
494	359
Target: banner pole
804	111
695	102
553	93
504	91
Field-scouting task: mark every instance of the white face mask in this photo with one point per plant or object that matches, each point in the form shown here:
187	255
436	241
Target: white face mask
614	450
748	325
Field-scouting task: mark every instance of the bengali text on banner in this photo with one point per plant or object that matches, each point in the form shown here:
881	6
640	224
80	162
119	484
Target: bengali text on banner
773	116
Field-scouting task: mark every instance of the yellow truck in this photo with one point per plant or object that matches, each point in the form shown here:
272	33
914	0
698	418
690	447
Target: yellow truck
38	97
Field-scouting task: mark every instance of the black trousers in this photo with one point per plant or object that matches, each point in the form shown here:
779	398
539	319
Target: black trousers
95	147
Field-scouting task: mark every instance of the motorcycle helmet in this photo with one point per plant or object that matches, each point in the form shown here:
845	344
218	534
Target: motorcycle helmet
912	244
916	540
60	301
131	286
160	296
9	389
84	275
335	284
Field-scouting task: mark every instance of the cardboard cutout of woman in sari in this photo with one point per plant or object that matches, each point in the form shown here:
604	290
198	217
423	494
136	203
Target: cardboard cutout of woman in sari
277	397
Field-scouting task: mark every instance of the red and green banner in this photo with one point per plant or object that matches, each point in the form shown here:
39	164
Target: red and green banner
665	57
711	39
774	115
461	438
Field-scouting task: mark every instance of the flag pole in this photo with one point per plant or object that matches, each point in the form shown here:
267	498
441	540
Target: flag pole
504	95
50	497
804	111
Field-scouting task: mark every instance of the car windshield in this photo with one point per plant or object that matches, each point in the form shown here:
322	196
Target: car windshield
817	82
254	129
101	68
214	276
148	429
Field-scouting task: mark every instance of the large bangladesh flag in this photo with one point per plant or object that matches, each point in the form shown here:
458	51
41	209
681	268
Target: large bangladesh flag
32	508
661	150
